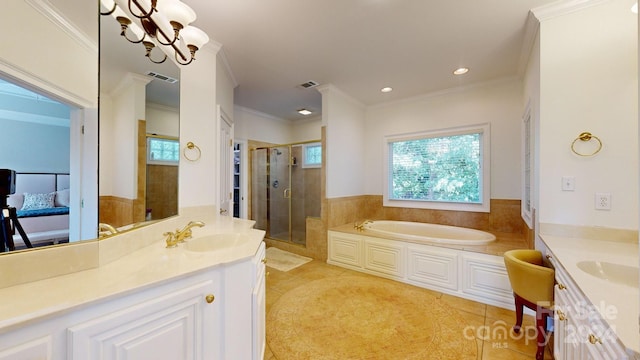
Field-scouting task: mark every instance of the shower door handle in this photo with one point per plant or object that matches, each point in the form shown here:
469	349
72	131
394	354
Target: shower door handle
287	193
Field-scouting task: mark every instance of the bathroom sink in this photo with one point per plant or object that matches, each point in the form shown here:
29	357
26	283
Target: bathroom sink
615	273
216	242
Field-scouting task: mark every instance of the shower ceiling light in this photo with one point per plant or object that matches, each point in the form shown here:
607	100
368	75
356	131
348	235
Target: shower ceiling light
386	89
461	71
304	112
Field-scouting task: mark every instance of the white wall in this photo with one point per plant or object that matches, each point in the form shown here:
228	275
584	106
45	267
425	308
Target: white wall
307	129
32	147
345	151
162	120
198	93
51	66
224	80
129	104
588	82
254	125
499	104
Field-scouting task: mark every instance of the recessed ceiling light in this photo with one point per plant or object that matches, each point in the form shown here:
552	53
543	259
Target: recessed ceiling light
460	71
386	89
304	112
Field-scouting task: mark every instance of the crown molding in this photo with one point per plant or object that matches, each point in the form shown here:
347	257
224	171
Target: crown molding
227	66
556	9
36	83
238	108
50	12
129	79
531	29
161	107
330	88
452	90
544	13
34	118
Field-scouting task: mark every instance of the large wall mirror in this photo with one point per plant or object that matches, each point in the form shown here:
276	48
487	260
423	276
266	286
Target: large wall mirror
139	129
49	109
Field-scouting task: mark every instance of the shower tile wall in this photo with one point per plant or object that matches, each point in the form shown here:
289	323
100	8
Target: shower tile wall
259	181
305	196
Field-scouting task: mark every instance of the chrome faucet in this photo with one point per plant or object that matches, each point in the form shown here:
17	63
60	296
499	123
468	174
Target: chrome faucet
186	232
361	225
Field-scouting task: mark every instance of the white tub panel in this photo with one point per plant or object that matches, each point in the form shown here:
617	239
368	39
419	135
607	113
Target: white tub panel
430	267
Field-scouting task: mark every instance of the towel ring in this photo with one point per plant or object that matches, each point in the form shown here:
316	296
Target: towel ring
586	136
192	146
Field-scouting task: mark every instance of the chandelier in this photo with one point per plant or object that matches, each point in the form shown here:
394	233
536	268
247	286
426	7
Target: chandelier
158	23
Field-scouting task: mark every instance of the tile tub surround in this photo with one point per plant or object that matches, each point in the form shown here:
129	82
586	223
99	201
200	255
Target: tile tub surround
504	216
486	322
504	221
604	295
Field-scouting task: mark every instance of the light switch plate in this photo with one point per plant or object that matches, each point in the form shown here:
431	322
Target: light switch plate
568	183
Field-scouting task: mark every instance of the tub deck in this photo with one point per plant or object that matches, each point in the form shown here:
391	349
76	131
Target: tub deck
504	241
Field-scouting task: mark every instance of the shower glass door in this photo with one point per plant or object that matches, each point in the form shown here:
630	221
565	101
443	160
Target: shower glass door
279	193
284	192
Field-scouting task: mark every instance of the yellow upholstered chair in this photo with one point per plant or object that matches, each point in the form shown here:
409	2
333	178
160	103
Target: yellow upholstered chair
532	285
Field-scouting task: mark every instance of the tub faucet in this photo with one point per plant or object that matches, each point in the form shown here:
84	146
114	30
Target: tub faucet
186	232
360	226
105	229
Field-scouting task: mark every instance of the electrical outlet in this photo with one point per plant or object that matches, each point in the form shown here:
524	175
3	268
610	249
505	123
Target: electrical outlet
603	201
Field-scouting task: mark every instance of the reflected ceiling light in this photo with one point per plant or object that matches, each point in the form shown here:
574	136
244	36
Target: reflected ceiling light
460	71
304	112
158	23
386	89
634	8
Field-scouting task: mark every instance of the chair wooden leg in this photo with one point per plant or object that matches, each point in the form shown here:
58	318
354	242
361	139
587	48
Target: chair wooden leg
541	327
541	322
519	302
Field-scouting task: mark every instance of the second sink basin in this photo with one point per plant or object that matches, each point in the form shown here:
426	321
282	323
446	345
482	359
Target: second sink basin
216	242
615	273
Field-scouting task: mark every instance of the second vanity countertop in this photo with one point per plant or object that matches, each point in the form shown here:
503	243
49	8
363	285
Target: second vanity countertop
617	303
148	266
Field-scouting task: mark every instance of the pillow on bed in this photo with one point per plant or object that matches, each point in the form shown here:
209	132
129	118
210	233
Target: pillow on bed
61	198
38	201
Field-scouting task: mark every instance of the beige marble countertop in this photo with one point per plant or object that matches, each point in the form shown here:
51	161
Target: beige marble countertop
503	242
150	265
604	295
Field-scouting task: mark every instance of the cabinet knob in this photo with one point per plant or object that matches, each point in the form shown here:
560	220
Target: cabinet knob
561	287
594	339
264	261
548	257
267	274
209	298
561	315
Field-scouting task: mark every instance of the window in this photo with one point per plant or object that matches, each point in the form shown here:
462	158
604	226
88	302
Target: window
445	169
163	151
312	155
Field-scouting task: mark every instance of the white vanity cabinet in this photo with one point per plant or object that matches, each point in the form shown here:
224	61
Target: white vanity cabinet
580	332
244	308
177	320
171	323
215	313
258	306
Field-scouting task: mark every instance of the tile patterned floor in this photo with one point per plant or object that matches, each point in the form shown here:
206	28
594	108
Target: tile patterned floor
488	321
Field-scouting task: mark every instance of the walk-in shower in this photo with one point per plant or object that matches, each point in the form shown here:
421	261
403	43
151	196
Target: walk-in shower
285	190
